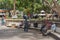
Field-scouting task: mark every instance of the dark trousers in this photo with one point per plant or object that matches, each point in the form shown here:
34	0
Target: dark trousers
42	28
26	29
43	31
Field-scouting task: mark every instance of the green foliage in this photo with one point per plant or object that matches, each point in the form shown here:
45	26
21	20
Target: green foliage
47	9
33	5
6	4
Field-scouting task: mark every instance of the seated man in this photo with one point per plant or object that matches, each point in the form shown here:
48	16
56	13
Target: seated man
47	28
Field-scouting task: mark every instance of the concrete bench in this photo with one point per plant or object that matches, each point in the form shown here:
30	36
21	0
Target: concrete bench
10	24
55	35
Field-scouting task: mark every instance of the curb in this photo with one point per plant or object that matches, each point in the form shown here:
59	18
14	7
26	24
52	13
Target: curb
55	35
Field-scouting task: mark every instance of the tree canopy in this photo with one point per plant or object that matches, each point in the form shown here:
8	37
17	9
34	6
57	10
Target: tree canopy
30	5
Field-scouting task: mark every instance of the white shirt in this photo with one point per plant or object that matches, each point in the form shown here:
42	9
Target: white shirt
53	27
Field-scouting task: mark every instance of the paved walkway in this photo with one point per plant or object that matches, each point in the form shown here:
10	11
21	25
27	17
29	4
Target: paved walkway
19	34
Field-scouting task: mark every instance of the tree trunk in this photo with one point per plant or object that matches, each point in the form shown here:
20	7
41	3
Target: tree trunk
55	6
14	7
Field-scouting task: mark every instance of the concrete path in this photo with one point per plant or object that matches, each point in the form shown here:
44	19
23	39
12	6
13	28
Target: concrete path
19	34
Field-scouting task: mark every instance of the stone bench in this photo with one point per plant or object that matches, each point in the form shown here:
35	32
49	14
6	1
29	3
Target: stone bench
55	35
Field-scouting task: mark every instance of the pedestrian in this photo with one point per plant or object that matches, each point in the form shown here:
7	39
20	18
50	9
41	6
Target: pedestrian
3	20
26	24
53	27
